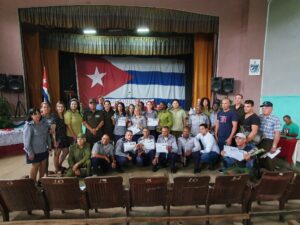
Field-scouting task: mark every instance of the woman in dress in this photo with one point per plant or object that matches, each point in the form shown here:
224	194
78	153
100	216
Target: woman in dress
59	137
37	143
108	113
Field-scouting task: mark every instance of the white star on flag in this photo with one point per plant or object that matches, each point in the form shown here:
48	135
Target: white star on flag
97	77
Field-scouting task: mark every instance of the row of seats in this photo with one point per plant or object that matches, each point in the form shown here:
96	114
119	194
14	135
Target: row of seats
109	192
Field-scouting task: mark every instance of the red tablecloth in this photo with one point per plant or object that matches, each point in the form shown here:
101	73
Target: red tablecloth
11	150
287	148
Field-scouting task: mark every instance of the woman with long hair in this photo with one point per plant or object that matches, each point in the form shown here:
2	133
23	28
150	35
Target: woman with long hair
120	121
139	121
59	137
150	113
130	111
37	143
205	103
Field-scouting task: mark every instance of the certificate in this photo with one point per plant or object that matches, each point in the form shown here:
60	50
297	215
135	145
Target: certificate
152	122
234	152
121	122
134	129
161	147
129	146
149	144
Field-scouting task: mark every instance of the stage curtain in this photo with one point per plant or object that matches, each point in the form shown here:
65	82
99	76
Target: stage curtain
119	17
203	66
118	45
33	68
50	59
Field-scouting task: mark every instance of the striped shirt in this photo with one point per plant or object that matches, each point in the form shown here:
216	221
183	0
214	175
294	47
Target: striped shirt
269	124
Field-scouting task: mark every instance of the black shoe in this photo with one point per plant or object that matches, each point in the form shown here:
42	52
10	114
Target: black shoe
154	168
197	170
174	170
120	170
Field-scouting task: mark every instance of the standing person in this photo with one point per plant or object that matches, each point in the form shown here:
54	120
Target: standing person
213	116
179	118
138	121
238	107
151	114
73	120
145	153
173	154
79	158
37	143
226	125
100	105
250	123
108	113
190	148
270	128
196	119
103	155
205	103
93	120
120	121
165	118
59	137
141	105
210	152
130	111
290	129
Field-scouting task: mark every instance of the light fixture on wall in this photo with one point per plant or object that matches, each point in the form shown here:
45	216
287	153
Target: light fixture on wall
89	31
143	30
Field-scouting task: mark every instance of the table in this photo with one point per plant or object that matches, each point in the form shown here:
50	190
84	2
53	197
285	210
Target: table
11	142
287	149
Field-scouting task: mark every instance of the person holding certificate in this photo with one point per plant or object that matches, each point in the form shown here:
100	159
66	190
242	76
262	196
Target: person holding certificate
125	150
151	116
120	121
190	148
138	122
145	148
166	151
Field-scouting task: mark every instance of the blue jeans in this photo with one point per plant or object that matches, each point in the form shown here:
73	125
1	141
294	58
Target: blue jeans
209	158
145	159
228	162
102	163
171	157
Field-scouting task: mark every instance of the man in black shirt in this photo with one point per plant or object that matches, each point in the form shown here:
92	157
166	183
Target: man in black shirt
250	123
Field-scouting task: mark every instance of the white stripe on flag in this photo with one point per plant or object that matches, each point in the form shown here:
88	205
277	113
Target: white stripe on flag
148	91
151	64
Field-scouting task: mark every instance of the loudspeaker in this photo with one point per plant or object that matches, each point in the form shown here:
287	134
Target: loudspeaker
3	82
15	83
216	84
227	85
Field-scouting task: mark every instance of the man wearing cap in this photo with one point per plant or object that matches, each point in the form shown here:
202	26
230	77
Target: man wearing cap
93	120
241	144
103	155
270	128
79	158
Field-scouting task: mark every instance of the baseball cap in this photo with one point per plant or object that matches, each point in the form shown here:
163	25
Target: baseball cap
240	135
267	104
80	135
92	100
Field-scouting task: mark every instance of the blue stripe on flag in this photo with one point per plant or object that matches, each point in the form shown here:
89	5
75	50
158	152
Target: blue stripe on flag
154	77
45	96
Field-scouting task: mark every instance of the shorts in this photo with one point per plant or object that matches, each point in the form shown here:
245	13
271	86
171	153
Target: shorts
39	157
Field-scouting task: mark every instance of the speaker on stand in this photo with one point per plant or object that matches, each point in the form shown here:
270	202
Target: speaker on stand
216	86
227	85
15	84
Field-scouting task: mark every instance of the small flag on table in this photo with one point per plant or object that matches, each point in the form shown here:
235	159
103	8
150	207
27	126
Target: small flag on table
45	93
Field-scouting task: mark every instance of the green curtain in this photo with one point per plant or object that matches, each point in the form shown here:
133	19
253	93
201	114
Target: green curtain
121	17
118	45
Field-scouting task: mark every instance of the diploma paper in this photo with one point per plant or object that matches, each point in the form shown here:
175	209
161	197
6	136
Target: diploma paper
152	122
129	146
149	144
234	152
121	122
134	129
161	147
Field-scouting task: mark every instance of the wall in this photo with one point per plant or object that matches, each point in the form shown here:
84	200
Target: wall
241	34
281	78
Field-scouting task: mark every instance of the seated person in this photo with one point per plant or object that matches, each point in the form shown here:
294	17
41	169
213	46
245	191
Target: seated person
124	157
241	144
190	148
145	155
103	155
173	154
211	151
290	129
79	158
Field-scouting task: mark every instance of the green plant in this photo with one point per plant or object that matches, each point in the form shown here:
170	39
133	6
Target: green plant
5	116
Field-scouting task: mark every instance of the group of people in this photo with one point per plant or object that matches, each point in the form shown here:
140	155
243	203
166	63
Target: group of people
145	135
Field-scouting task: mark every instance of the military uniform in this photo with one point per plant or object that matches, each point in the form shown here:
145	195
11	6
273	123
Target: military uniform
93	119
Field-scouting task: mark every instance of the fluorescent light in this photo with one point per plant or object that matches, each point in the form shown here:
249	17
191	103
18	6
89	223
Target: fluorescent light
143	30
89	31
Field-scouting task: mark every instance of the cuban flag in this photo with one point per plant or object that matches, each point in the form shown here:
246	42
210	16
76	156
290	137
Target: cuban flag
124	78
45	93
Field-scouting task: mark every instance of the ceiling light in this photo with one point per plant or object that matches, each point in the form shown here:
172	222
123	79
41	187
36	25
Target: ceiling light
89	31
143	30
